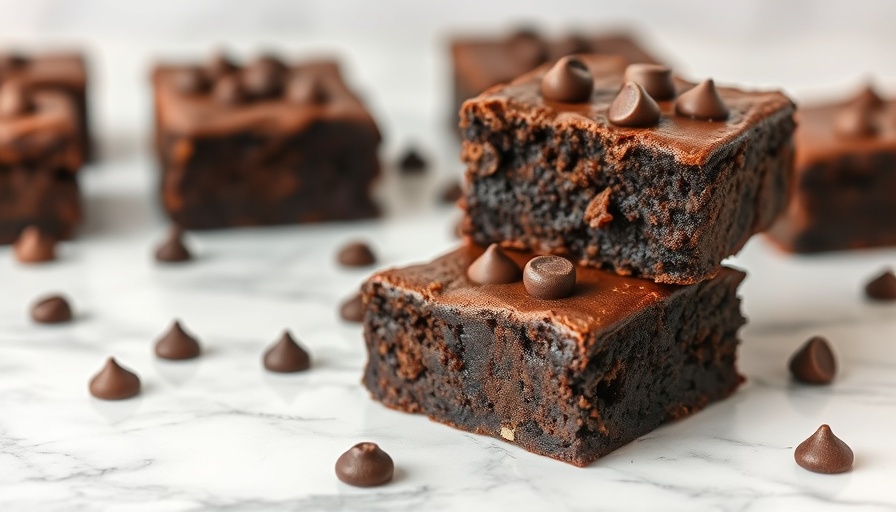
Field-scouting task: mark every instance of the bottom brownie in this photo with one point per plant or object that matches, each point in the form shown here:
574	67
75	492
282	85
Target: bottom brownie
48	200
571	378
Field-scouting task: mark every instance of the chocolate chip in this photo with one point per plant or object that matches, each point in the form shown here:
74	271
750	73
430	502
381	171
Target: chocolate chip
633	108
867	98
229	91
356	254
412	162
34	246
568	81
654	78
568	45
219	65
702	102
814	362
114	382
286	356
824	453
53	309
451	194
855	122
365	465
264	78
177	344
527	48
352	310
549	277
173	250
882	287
493	267
191	81
307	90
15	100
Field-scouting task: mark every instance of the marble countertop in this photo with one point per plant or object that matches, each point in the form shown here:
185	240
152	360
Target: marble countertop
221	433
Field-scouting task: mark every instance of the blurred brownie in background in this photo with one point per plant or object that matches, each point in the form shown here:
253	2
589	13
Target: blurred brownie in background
844	194
481	62
40	154
262	143
65	72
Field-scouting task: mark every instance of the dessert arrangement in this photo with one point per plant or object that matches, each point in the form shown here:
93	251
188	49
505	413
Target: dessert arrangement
588	301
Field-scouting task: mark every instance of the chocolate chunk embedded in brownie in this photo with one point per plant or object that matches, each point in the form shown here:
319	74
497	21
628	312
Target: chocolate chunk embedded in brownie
570	378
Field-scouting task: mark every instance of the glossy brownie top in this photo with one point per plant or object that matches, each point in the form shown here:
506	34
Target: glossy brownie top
266	95
691	141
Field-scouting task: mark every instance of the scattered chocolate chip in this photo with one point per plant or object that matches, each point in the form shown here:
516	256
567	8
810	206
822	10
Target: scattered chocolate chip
114	382
526	47
568	81
53	309
633	108
191	81
549	277
855	122
15	100
702	102
33	246
264	78
412	162
654	78
814	362
824	453
356	254
493	267
365	465
173	250
219	65
286	356
573	43
352	310
882	287
229	91
177	344
868	98
307	90
451	194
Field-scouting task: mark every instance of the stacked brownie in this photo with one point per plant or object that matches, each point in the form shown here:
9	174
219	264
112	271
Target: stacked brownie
607	196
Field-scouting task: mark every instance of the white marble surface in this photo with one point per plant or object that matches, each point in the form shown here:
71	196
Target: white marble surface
220	433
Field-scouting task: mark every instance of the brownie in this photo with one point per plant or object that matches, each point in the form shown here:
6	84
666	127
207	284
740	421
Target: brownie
571	378
844	193
65	72
265	143
481	62
667	202
40	154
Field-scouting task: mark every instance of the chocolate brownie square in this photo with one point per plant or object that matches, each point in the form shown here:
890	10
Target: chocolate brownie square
264	143
666	191
40	154
482	62
844	194
571	378
65	72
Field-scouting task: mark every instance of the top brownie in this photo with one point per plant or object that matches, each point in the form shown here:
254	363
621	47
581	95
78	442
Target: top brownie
665	192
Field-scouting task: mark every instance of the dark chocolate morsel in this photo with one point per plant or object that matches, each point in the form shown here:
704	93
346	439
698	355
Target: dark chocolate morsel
219	65
114	382
352	310
570	44
568	81
882	287
173	250
191	81
452	193
264	78
824	453
53	309
34	246
549	277
814	362
286	356
15	100
412	162
356	254
229	90
855	122
702	102
365	465
633	108
526	47
309	90
654	78
177	344
493	267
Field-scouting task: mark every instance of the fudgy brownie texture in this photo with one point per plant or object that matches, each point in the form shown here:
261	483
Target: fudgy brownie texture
668	202
844	194
481	62
571	378
40	154
306	152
